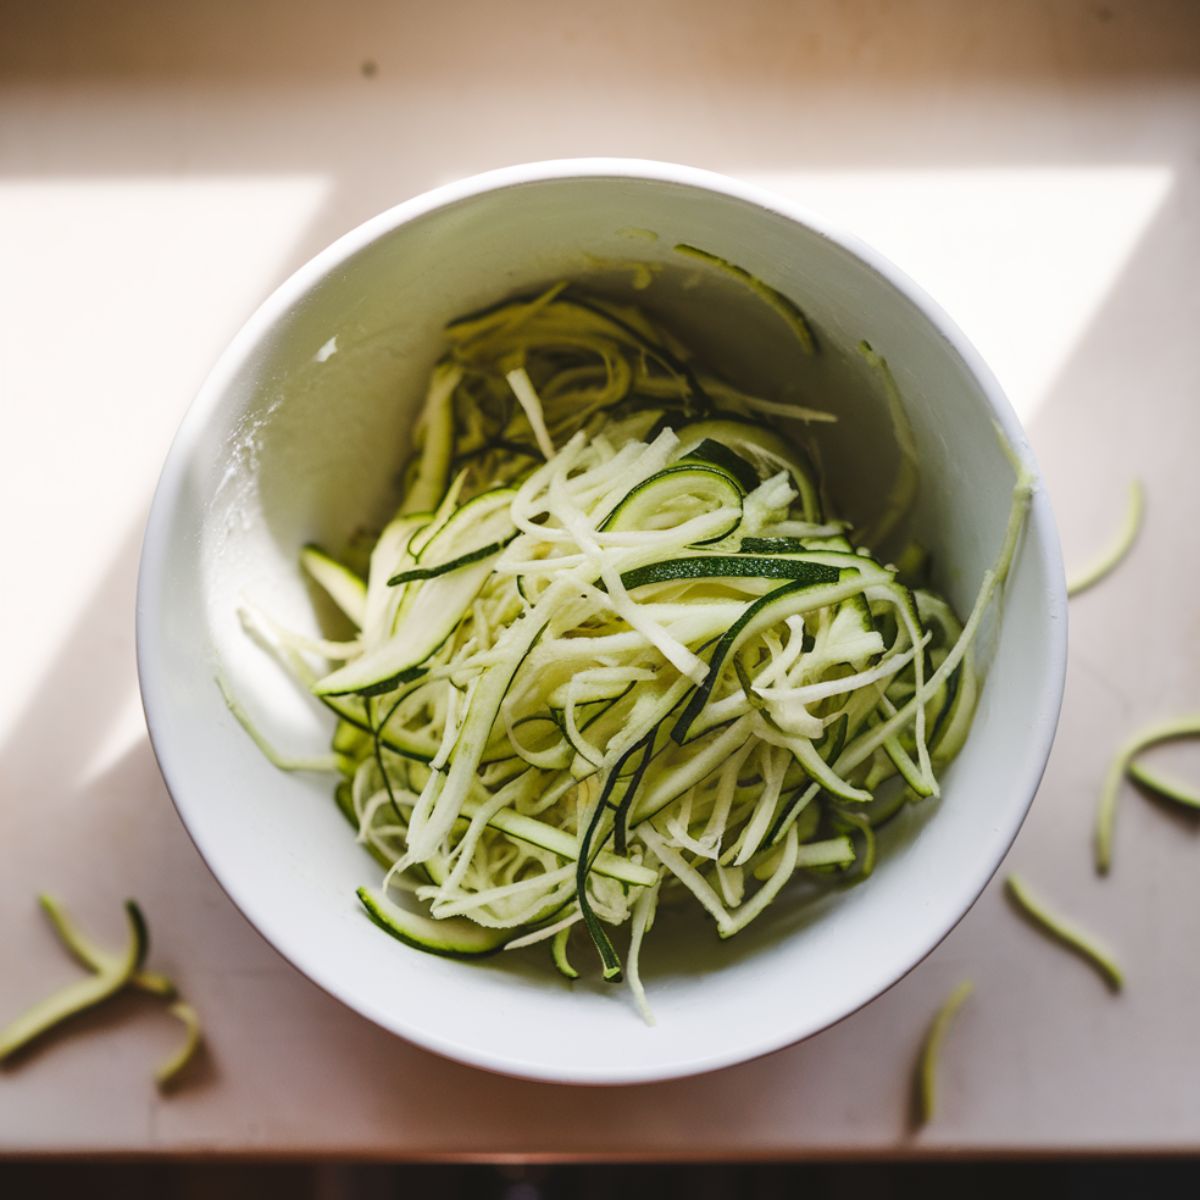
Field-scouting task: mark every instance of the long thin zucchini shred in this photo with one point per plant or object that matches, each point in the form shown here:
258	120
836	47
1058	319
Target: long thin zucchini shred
931	1051
1127	763
111	973
1065	932
613	654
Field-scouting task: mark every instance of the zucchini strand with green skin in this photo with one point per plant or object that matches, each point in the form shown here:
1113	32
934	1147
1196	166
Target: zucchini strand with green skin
167	1075
1124	763
88	954
82	995
110	971
377	750
931	1050
449	937
604	947
729	567
621	814
787	309
1163	785
1064	932
419	574
1122	543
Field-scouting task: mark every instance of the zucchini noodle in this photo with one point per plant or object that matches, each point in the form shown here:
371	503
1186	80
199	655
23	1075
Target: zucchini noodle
931	1051
1125	762
1064	932
611	654
1122	543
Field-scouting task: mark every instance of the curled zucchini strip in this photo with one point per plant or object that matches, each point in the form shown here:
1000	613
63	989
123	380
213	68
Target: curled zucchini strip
1122	543
1164	785
1065	932
931	1050
559	953
282	762
169	1071
94	957
787	309
1125	763
113	974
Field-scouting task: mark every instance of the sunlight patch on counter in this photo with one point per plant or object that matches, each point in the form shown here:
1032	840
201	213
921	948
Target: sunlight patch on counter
1022	258
116	298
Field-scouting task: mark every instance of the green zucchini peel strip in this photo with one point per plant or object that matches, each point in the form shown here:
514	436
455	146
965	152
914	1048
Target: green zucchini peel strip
1122	543
1063	931
167	1074
1124	763
82	995
931	1051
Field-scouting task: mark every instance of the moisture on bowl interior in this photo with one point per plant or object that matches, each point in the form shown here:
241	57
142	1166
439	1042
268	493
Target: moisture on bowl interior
614	651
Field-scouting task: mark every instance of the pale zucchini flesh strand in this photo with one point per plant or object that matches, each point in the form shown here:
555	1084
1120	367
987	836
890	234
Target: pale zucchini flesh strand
344	588
559	954
282	762
903	493
539	833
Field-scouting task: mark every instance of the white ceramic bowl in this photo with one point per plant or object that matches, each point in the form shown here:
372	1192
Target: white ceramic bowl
296	436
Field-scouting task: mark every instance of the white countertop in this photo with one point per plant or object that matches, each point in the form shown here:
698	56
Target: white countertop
1035	166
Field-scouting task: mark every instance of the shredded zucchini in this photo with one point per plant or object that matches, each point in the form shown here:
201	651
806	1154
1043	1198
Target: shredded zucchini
1125	763
623	658
1122	543
82	995
1065	932
787	309
111	973
903	494
1164	785
167	1075
94	957
927	1064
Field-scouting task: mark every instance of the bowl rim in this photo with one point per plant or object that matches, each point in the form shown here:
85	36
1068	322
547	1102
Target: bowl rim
1040	535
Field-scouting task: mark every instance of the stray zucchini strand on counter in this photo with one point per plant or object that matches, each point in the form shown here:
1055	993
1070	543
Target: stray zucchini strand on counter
111	973
612	651
1065	932
931	1051
1126	763
1122	543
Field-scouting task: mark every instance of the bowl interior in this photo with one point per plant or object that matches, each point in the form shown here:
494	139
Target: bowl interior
298	437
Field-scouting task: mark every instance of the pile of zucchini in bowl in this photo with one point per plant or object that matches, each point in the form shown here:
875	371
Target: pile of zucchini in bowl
611	651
